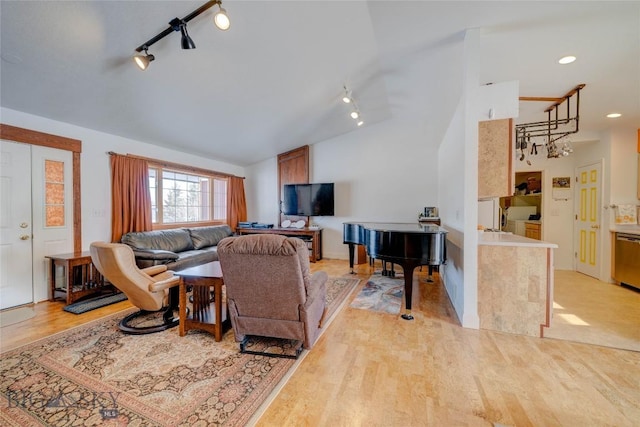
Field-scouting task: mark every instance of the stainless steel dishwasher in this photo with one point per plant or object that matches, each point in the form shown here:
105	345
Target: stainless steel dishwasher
627	259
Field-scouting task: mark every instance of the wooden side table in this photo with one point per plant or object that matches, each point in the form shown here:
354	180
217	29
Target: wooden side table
203	315
313	237
82	277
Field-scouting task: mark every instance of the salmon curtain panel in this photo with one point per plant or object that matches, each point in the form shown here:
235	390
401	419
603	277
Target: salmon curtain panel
237	204
130	197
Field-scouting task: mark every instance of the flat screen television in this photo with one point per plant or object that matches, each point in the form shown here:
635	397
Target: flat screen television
308	199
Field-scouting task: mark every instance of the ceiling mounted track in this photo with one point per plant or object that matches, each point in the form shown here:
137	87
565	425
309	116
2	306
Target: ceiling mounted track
554	128
220	19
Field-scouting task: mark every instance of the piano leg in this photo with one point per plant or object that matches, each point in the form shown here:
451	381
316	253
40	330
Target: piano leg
430	278
386	271
408	267
352	256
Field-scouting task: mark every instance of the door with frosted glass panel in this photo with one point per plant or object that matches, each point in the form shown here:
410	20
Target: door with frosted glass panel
36	219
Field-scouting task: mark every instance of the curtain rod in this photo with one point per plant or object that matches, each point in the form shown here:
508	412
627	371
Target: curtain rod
176	165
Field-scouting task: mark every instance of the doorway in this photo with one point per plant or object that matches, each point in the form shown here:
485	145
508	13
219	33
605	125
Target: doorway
588	208
37	218
52	227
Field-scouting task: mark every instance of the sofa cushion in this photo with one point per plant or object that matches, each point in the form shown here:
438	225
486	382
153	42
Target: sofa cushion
174	240
203	237
155	254
192	258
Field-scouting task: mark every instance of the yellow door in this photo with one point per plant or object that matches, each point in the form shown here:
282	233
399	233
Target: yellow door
588	236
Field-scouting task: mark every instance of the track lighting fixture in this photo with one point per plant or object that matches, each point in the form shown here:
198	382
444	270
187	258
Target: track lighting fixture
142	61
347	98
221	20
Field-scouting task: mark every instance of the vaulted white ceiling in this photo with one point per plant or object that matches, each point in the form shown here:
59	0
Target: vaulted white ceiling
273	81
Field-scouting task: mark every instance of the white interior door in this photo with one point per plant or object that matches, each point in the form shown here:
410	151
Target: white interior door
52	205
16	283
588	219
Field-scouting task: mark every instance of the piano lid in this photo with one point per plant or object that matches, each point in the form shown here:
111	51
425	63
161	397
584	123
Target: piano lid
400	227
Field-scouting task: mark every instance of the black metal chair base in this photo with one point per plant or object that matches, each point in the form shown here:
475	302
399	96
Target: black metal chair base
168	321
243	349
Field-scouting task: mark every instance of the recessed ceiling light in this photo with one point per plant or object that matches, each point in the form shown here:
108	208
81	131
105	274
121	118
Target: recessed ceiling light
614	115
567	60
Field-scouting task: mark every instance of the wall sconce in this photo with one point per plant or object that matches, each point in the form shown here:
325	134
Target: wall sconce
221	20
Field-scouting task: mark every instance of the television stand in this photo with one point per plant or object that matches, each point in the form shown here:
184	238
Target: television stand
312	236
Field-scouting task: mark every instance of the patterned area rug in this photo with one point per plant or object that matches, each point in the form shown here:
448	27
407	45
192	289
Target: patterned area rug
381	293
96	375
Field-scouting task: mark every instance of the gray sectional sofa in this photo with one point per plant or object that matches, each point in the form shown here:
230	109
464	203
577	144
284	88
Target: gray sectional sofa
178	248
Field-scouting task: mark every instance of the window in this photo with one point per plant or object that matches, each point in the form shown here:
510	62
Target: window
54	193
181	197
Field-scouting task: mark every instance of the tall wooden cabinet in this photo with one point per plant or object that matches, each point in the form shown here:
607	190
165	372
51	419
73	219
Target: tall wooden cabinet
495	158
293	168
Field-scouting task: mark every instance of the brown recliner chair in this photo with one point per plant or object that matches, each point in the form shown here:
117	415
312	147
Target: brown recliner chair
148	288
270	290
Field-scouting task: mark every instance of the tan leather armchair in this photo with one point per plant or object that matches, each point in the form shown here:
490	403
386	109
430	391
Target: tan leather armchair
270	290
147	289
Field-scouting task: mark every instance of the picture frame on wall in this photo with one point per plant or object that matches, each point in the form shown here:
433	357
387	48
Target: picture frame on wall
561	187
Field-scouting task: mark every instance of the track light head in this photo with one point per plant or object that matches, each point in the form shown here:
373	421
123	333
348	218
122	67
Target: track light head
221	19
355	114
142	61
181	25
186	41
346	98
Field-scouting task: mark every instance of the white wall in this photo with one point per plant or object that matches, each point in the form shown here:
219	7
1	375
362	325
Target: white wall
95	166
619	150
451	202
260	185
385	172
624	156
458	179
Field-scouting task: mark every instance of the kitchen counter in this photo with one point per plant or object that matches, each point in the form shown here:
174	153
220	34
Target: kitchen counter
631	229
515	283
507	239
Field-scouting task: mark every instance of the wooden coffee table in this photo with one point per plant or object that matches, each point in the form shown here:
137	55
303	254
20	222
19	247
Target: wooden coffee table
203	315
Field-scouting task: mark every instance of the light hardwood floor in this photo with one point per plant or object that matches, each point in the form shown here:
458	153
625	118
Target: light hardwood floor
372	369
594	312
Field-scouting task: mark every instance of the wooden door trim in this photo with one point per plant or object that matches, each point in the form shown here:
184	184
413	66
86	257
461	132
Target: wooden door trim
32	137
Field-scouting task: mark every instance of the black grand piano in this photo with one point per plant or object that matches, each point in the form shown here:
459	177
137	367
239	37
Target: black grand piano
409	245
